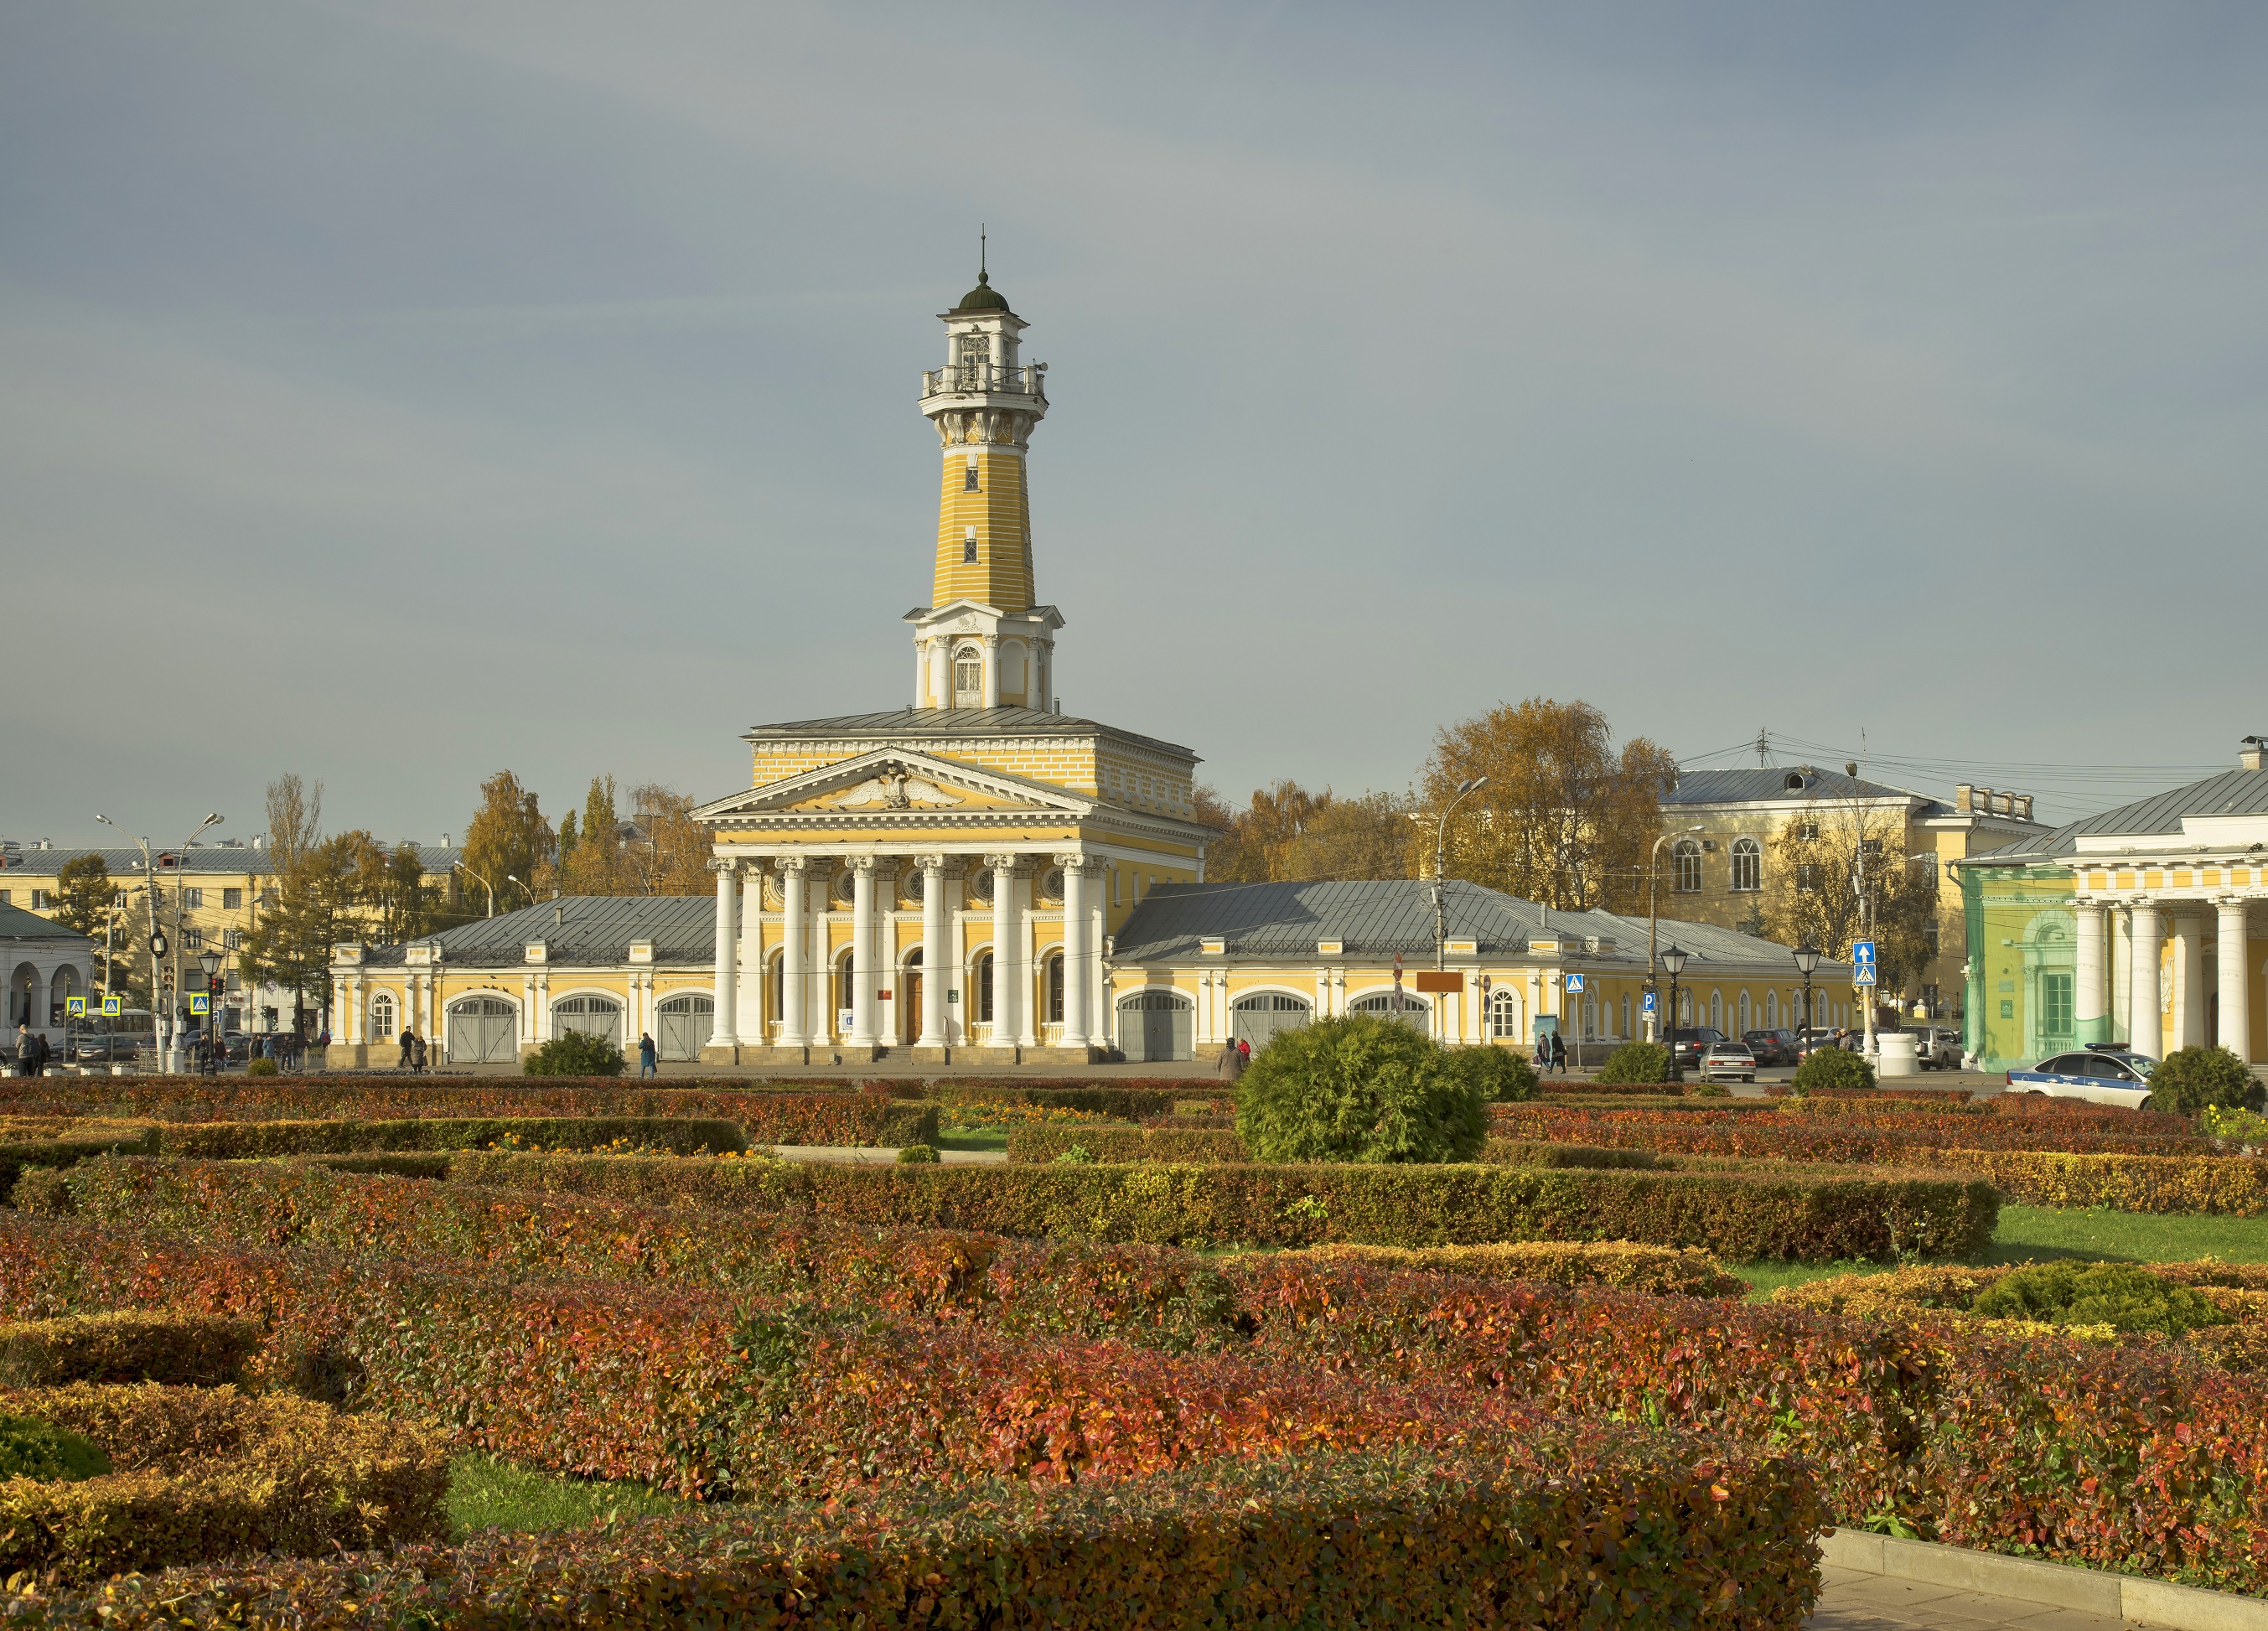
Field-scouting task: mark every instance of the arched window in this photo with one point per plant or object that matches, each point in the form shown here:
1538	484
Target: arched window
1590	1019
1748	864
968	677
1504	1016
1717	1010
381	1017
1772	1010
1055	988
1688	867
1744	1013
1625	1030
776	982
1685	1008
846	983
985	989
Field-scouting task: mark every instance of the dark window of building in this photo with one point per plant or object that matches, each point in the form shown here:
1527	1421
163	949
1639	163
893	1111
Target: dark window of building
1806	876
232	900
969	486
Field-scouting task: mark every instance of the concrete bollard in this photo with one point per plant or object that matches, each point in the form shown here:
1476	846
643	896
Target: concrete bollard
1896	1055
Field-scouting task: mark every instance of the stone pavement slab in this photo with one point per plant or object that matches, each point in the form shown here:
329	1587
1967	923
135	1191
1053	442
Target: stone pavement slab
1853	1601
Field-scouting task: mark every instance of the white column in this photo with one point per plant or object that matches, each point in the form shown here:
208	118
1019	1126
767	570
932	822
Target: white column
2087	1011
2189	981
2145	1031
961	1016
1004	939
862	951
722	1032
2234	958
795	946
992	700
1076	951
2121	961
1027	998
937	965
1099	1020
823	1005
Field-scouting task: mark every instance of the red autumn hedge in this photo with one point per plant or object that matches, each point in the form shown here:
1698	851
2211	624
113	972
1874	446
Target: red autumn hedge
1583	1527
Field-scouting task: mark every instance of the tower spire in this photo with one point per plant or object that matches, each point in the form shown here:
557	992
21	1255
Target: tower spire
981	276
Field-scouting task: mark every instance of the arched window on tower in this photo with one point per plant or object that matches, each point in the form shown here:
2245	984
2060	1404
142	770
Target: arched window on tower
1748	864
968	483
1688	867
967	678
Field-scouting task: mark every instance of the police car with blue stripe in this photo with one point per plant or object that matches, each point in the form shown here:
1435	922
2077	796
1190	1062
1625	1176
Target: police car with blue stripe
2104	1073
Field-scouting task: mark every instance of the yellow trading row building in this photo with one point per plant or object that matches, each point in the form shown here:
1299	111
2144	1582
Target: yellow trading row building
980	875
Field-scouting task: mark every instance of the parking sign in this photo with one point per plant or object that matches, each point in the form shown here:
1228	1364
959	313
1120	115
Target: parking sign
1645	1004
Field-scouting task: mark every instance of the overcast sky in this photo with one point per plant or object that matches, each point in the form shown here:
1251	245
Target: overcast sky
398	393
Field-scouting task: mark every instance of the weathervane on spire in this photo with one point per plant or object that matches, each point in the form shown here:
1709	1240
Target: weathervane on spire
980	251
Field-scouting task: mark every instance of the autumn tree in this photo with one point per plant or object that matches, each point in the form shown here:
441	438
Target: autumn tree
669	853
318	903
1839	872
1566	819
1257	846
595	865
390	884
85	894
1370	837
508	837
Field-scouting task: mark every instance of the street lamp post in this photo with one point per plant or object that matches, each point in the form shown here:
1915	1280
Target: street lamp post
209	960
1806	959
166	1033
1440	849
1674	961
1652	914
484	883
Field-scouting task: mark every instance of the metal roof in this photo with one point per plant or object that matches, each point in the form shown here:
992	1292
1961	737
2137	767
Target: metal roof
1768	783
18	925
1379	917
916	723
578	929
200	858
2229	793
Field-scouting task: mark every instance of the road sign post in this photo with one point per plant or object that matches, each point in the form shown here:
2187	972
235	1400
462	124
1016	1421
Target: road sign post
1862	962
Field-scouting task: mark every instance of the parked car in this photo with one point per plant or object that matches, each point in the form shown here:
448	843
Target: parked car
1937	1047
2099	1076
1729	1059
1689	1043
1814	1038
1772	1048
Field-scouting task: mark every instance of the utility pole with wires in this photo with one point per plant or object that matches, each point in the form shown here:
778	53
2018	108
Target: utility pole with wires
1764	748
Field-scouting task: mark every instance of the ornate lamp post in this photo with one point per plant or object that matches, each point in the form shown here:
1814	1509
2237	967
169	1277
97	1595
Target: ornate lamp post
209	960
1674	961
1806	959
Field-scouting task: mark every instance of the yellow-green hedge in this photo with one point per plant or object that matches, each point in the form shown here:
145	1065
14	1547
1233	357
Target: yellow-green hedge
1038	1146
205	1474
199	1350
2235	1186
1664	1271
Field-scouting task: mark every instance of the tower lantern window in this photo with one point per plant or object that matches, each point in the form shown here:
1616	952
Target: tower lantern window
969	482
969	546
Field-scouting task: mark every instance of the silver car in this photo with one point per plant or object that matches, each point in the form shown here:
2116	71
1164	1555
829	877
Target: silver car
1728	1059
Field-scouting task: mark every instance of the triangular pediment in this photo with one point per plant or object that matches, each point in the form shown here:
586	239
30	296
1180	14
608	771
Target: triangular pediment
894	782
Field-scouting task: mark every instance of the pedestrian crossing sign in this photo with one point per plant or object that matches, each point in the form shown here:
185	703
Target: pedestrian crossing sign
110	1006
74	1007
1862	962
200	1004
1575	982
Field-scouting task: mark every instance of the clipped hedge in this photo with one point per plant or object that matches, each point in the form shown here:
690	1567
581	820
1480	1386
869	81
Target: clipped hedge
2234	1186
34	1154
1581	1528
204	1473
1661	1271
1906	1135
197	1350
231	1140
1807	1217
1034	1146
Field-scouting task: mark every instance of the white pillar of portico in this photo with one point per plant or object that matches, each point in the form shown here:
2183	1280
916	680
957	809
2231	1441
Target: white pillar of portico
937	966
2188	982
2088	1014
862	951
795	945
1076	951
2145	1031
992	700
2234	959
722	1031
1005	942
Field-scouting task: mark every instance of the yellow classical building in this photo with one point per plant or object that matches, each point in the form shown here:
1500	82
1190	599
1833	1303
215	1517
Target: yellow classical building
979	877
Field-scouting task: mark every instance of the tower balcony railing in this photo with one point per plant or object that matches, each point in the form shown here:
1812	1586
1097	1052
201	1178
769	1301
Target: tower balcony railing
1026	379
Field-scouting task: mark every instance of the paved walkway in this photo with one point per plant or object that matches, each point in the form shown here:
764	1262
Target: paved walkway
1853	1601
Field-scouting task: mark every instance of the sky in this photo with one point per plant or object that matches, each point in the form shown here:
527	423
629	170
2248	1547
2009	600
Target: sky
394	393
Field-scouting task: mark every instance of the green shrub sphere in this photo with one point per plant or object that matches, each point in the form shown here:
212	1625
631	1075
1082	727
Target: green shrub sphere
2123	1295
1359	1088
1636	1061
574	1054
38	1450
1500	1076
917	1155
2189	1079
260	1067
1831	1070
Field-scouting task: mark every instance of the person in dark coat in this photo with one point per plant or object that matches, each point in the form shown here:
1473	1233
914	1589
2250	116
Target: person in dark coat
1558	1052
408	1037
27	1051
646	1065
417	1055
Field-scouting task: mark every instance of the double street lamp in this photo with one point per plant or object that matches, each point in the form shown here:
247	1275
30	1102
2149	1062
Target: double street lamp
209	960
1674	961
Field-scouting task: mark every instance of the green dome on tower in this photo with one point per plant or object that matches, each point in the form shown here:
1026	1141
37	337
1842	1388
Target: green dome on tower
983	297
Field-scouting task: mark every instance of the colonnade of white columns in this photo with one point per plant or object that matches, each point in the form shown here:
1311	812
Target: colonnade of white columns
1017	1020
2119	973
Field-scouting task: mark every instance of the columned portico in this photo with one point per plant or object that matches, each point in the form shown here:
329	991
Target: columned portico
723	1035
1075	953
862	954
2090	1018
2146	1029
2233	964
795	947
1009	977
937	957
2189	981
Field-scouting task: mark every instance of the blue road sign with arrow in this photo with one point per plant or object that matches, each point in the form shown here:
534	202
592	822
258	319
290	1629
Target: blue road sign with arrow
1862	962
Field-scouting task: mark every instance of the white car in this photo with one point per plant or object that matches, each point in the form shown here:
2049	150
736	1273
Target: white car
2100	1076
1729	1059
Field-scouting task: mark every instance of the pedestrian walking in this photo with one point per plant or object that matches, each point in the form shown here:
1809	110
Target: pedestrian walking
27	1050
417	1055
1231	1061
646	1066
408	1037
1558	1052
1543	1051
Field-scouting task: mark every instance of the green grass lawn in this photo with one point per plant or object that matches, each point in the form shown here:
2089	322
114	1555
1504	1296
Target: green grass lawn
2029	1234
488	1494
975	1138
